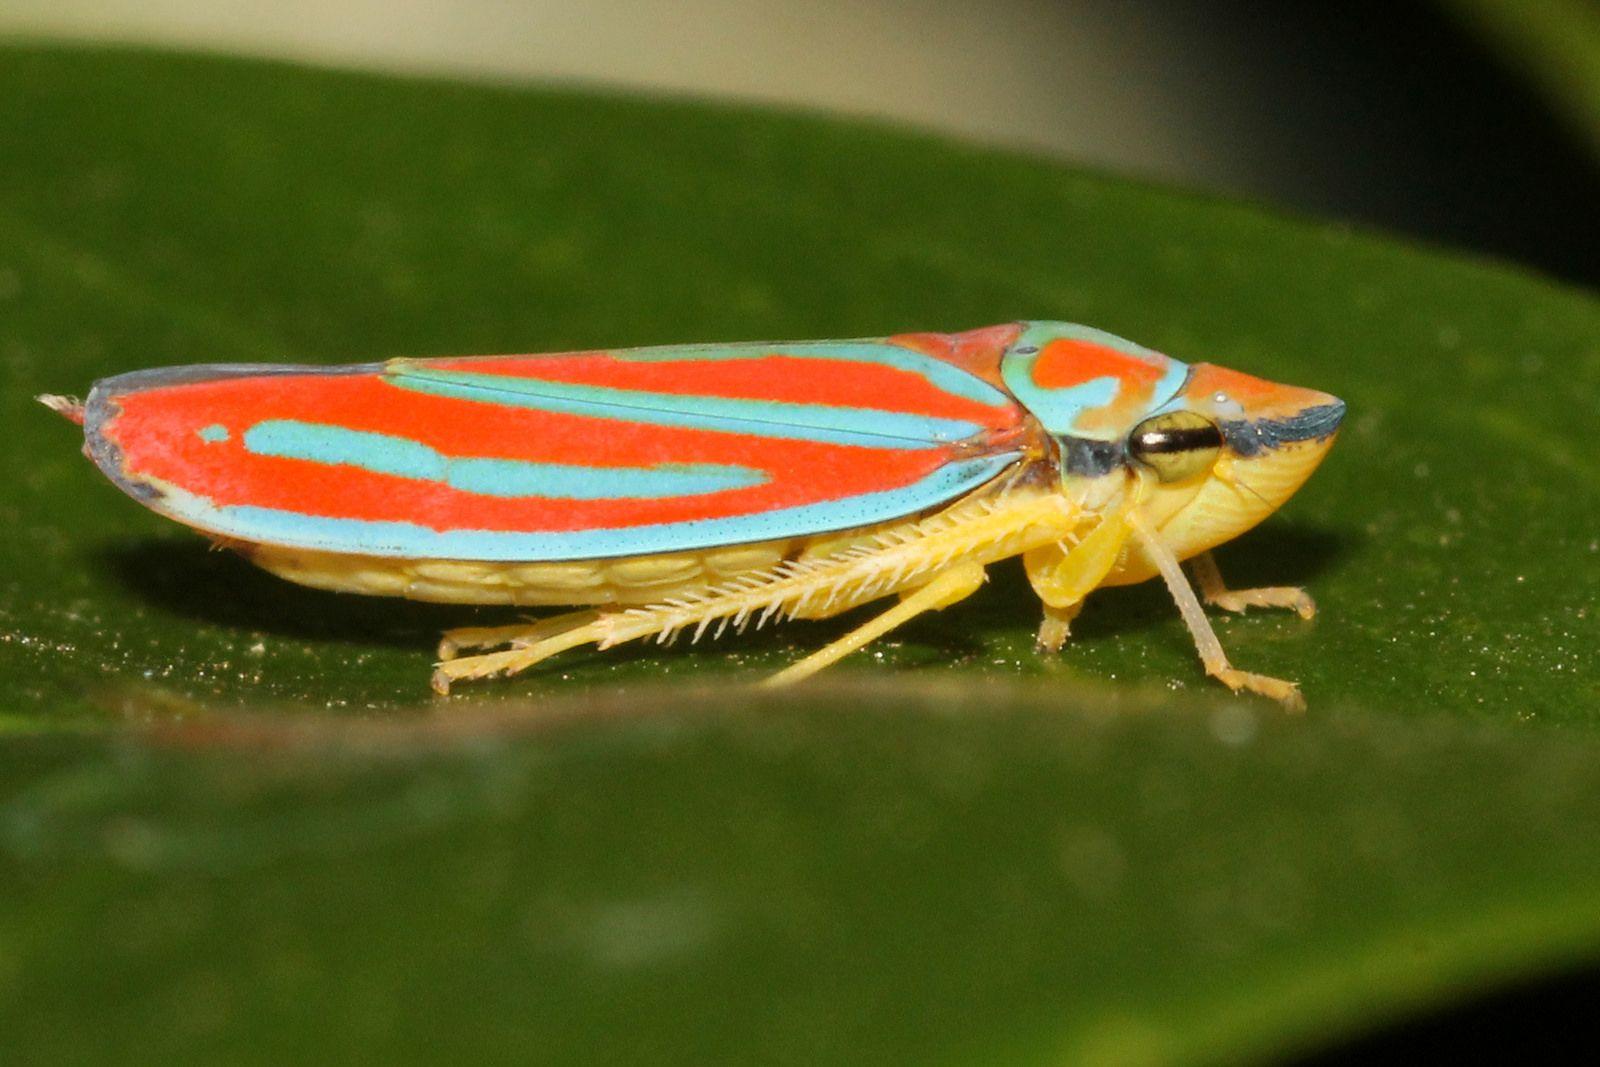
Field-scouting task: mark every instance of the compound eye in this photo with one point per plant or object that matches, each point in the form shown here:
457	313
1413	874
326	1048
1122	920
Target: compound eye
1177	445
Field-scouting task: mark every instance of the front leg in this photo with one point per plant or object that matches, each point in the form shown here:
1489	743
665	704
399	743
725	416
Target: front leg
1215	591
1056	627
1205	638
1063	575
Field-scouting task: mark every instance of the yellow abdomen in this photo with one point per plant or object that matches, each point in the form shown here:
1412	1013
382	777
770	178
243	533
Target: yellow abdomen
627	580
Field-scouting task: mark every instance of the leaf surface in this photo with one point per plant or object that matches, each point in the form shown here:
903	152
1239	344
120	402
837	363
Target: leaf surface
234	825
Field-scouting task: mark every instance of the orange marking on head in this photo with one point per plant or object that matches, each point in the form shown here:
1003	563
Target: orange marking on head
1067	362
1258	397
1245	388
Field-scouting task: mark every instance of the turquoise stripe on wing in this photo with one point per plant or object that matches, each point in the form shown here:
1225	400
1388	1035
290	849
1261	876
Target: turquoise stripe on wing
823	423
489	476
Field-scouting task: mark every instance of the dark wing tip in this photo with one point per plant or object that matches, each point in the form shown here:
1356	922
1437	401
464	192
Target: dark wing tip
68	407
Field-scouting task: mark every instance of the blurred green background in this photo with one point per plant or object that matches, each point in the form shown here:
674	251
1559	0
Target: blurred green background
234	828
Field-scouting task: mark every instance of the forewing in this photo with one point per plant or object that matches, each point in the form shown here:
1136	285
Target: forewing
570	456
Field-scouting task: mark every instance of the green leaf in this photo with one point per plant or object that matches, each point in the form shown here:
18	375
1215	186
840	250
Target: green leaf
233	825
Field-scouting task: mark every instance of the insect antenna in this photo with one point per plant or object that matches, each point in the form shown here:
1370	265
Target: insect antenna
1246	487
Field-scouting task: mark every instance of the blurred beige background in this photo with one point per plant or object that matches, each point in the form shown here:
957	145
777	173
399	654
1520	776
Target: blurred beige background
1093	80
1392	114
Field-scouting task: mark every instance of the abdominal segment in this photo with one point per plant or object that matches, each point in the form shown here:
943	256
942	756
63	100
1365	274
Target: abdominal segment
880	560
628	580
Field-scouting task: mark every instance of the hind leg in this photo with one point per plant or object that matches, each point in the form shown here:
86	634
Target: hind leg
952	585
930	562
453	642
530	643
1215	591
539	641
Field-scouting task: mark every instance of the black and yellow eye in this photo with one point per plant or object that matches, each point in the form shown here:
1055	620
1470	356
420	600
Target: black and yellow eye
1177	445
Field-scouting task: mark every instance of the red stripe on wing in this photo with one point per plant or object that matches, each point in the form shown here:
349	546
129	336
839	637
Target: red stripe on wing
156	431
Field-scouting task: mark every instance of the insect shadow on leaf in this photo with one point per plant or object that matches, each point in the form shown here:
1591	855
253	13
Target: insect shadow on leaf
188	578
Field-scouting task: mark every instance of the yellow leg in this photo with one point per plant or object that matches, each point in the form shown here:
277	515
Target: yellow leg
1205	638
453	642
956	583
1214	591
1063	576
530	645
1056	627
930	562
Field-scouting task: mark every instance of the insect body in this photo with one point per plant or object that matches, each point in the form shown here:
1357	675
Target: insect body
693	488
